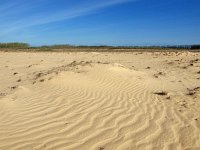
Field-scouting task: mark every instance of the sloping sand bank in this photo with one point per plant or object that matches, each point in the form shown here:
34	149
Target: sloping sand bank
100	101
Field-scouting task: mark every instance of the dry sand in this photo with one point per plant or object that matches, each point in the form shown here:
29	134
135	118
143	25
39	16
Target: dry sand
100	101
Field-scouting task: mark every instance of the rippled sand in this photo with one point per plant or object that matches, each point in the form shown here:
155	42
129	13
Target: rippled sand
100	101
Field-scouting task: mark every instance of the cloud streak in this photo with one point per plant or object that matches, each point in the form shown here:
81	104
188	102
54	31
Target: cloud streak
18	8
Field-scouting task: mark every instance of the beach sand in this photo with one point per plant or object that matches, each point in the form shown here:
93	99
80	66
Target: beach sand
99	101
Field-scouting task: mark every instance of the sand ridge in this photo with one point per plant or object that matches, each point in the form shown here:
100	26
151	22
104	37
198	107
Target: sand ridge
111	101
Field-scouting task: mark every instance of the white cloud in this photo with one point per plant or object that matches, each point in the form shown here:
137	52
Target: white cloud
12	8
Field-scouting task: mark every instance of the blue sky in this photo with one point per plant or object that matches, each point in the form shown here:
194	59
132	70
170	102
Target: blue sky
100	22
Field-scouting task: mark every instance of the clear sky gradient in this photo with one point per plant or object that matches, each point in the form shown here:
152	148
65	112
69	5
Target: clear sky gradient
100	22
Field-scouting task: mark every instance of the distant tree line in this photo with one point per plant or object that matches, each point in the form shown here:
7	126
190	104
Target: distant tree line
195	47
14	45
125	47
27	46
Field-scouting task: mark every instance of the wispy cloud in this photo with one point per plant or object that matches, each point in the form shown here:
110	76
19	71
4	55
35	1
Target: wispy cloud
19	14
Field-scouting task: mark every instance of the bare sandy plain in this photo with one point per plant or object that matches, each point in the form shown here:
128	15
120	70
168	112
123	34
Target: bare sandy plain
100	101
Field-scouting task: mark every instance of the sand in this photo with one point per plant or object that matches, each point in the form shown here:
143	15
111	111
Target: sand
99	101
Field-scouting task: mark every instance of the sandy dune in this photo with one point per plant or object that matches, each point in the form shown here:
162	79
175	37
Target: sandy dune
100	101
